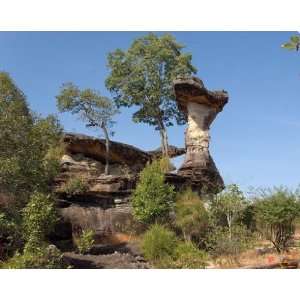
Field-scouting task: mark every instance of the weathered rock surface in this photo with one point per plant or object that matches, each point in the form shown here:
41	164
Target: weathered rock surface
122	157
104	205
110	261
201	106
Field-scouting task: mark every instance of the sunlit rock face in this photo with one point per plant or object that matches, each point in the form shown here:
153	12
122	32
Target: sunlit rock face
200	107
104	206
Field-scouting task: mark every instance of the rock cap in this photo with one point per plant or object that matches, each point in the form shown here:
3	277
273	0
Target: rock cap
192	89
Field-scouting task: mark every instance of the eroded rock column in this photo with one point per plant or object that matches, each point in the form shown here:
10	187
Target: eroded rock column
200	107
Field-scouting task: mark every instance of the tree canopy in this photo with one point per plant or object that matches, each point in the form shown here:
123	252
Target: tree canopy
25	142
93	108
293	44
142	76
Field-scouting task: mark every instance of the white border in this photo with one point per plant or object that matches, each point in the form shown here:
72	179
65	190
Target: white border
145	15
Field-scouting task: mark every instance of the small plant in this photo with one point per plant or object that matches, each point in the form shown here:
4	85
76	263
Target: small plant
158	243
74	186
153	199
276	214
85	241
188	256
191	216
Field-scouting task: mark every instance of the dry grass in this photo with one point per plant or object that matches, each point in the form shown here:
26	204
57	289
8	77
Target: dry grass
255	257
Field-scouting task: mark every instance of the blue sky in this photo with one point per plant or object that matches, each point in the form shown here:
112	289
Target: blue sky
254	141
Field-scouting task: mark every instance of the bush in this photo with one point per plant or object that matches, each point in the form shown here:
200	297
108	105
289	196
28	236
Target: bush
228	206
221	243
153	199
44	257
74	186
191	216
158	243
275	215
39	219
188	256
10	236
85	241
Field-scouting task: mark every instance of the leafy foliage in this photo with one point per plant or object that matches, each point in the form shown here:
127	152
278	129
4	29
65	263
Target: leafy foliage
276	214
39	219
191	216
153	198
74	186
142	76
10	234
158	243
220	243
293	44
95	110
25	140
42	257
85	241
228	206
188	256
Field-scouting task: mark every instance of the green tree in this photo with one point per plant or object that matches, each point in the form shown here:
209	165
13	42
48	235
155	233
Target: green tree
142	76
228	205
191	216
293	44
276	214
39	219
152	199
29	160
94	109
25	142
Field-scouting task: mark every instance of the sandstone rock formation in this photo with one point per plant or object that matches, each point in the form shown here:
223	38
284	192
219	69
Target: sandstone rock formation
201	107
104	206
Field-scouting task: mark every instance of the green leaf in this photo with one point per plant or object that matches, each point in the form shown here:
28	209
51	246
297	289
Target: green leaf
289	46
295	39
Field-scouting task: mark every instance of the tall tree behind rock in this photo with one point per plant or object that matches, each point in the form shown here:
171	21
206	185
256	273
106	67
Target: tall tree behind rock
142	76
94	109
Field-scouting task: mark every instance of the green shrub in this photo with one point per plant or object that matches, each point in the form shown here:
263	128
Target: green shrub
74	186
85	241
191	216
39	219
276	213
10	235
227	207
158	243
188	256
220	242
42	257
153	199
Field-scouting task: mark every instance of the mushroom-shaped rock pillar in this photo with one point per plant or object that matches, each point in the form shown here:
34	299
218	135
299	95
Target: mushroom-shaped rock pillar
200	106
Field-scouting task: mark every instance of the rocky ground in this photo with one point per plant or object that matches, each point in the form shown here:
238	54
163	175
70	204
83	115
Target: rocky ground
122	256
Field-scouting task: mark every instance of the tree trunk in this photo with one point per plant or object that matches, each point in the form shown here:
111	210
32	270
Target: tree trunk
164	139
107	142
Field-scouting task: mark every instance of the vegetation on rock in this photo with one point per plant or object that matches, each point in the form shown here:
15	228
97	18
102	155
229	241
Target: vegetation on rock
85	241
74	186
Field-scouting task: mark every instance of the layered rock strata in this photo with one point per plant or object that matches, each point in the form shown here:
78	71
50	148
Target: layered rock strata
201	107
